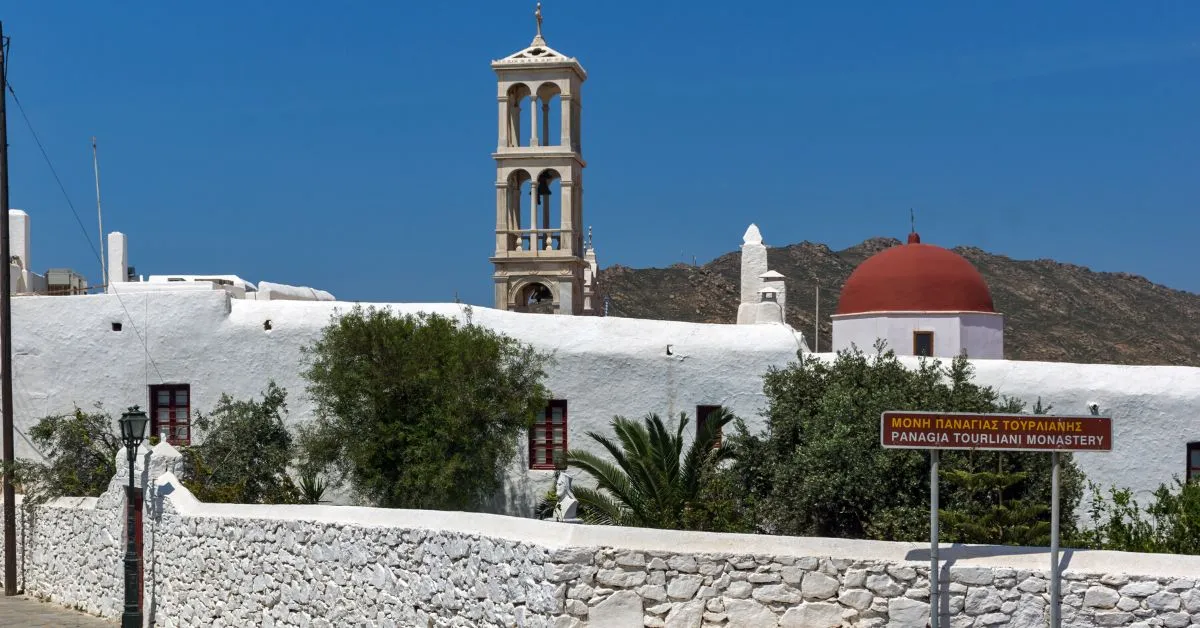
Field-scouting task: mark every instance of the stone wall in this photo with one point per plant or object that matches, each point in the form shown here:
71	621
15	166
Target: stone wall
74	554
70	550
253	565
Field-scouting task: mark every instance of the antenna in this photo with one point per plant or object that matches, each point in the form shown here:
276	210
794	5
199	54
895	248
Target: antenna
912	221
99	216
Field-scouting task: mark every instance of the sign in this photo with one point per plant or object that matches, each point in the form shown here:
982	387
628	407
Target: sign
1004	432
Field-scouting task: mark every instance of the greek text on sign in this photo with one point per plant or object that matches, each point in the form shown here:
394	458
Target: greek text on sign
1012	432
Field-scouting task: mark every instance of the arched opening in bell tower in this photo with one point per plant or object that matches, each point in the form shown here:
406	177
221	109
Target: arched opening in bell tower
517	217
535	298
520	101
548	211
549	101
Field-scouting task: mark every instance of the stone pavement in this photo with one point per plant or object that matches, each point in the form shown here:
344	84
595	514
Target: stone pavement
31	613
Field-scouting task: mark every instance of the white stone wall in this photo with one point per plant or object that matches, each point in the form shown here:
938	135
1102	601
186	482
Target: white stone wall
66	354
70	550
244	565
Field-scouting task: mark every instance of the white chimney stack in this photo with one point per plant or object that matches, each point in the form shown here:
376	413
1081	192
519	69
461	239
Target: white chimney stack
18	231
118	258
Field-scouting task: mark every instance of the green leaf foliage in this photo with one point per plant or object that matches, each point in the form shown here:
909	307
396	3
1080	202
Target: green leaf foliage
819	468
1170	524
245	452
984	516
79	452
418	411
647	479
312	488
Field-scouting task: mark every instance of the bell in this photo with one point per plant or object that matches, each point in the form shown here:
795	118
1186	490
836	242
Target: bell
544	187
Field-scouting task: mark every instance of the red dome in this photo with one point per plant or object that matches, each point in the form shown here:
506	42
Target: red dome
915	277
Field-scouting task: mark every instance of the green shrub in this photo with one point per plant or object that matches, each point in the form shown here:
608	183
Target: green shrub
418	411
1170	524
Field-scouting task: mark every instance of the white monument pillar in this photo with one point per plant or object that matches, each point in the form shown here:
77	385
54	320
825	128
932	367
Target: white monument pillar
754	264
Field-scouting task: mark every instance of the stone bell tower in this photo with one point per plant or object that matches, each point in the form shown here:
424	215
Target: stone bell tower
539	259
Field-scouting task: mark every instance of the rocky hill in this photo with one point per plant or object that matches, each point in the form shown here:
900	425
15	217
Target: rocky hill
1054	311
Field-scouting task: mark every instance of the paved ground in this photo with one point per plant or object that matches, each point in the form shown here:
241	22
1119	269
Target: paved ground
29	613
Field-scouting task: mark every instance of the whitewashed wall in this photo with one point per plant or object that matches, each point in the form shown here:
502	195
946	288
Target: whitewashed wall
66	353
244	565
980	335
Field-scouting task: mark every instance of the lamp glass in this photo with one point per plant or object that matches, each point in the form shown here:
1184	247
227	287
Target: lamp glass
133	426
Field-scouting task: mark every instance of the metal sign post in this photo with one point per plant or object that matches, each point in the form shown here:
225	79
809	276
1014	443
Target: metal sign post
934	461
1055	576
935	431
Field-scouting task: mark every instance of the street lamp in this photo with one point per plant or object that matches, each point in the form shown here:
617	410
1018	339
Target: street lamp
133	432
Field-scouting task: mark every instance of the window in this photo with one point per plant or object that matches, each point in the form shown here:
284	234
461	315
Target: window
170	413
1193	461
548	438
702	415
923	343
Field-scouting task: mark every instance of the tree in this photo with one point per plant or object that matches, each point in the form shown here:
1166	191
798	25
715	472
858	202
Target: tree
418	411
819	468
245	452
982	514
79	452
648	483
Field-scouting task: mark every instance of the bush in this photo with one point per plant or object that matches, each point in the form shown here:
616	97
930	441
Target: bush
418	411
79	451
819	468
245	452
1171	524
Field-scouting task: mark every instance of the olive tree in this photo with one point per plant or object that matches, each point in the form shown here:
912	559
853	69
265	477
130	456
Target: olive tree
245	452
418	410
78	452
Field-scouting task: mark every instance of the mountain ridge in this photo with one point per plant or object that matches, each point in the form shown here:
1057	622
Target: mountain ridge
1054	311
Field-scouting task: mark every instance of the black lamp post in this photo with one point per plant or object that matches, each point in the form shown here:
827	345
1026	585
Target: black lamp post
133	432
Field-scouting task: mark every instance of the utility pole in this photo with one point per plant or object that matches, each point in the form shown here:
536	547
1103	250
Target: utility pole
6	404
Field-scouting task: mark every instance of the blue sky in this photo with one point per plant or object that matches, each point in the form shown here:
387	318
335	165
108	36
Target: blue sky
347	145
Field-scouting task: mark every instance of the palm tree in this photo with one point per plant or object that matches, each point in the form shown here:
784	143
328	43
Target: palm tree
647	484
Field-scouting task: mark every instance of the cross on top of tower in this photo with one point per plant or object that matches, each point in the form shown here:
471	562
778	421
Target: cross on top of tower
537	14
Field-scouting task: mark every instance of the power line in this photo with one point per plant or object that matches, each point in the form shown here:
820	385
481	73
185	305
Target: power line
37	140
67	197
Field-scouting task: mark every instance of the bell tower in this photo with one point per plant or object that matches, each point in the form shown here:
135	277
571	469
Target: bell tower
539	259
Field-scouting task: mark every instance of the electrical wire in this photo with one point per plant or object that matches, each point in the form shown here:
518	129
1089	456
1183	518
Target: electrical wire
87	238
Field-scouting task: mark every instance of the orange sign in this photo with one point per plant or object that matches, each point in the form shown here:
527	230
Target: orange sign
1010	432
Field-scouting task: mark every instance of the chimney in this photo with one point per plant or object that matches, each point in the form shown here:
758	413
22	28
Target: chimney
118	258
18	230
